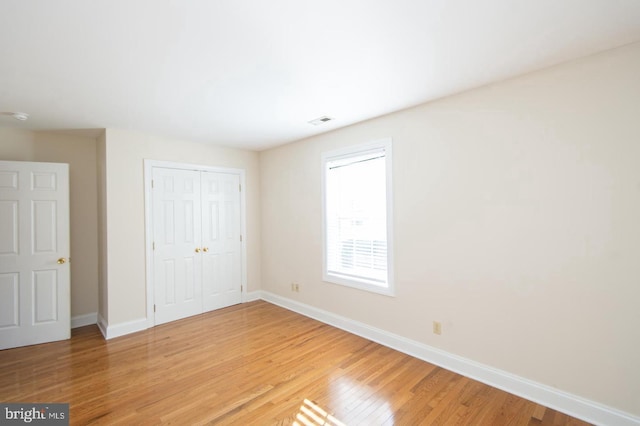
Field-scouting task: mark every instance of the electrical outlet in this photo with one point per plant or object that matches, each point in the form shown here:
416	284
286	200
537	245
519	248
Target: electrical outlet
437	327
297	288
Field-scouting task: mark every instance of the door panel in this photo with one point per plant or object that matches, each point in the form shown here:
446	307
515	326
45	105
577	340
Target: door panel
176	217
45	290
222	269
169	282
34	234
9	227
44	229
9	297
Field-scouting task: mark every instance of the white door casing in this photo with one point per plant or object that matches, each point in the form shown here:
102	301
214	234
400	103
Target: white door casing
34	253
195	253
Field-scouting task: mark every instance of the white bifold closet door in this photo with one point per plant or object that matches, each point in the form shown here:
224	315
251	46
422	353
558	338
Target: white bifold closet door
196	242
34	250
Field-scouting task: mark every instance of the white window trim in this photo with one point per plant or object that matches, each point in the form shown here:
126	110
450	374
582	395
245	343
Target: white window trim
385	144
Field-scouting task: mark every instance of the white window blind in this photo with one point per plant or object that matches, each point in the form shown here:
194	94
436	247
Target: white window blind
356	217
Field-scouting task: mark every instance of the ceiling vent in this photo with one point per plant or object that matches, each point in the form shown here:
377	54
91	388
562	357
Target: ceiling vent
320	120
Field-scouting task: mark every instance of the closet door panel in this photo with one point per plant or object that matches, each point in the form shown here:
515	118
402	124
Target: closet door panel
177	237
222	255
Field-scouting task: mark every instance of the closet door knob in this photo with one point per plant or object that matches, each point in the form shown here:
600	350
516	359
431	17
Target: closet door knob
198	250
206	249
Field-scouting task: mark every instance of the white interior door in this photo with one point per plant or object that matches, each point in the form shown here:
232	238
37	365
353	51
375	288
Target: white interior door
177	261
34	251
197	247
221	266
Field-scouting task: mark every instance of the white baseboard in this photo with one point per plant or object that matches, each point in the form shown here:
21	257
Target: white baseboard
252	296
565	402
102	325
117	330
82	320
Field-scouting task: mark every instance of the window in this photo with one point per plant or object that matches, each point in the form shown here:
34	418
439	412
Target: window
357	207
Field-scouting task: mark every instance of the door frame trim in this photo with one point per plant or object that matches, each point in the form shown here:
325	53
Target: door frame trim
148	223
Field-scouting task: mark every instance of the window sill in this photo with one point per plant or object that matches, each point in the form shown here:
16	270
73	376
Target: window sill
359	284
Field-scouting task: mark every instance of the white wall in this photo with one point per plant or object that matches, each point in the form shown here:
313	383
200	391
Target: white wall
79	151
516	225
125	153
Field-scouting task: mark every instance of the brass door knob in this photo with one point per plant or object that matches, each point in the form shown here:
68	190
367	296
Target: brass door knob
198	250
206	249
62	260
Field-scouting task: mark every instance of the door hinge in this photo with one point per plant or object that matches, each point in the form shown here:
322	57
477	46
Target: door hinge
240	238
154	308
151	183
241	288
153	244
239	187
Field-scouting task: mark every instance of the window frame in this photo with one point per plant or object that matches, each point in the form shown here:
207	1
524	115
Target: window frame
353	151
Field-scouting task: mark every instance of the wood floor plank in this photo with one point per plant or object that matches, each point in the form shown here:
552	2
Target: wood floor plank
249	364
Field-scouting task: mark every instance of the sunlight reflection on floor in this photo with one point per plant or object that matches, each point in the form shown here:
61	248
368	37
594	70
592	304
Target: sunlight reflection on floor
351	401
356	402
310	414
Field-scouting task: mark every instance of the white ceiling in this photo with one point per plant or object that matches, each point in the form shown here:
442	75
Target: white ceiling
252	73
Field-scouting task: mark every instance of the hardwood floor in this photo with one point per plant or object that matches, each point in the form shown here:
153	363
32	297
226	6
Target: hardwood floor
250	364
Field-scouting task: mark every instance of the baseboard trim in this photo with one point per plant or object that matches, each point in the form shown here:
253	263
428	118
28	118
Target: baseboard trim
82	320
102	325
252	296
117	330
581	408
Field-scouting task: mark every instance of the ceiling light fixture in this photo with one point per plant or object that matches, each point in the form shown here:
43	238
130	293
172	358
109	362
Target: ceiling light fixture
20	116
320	120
